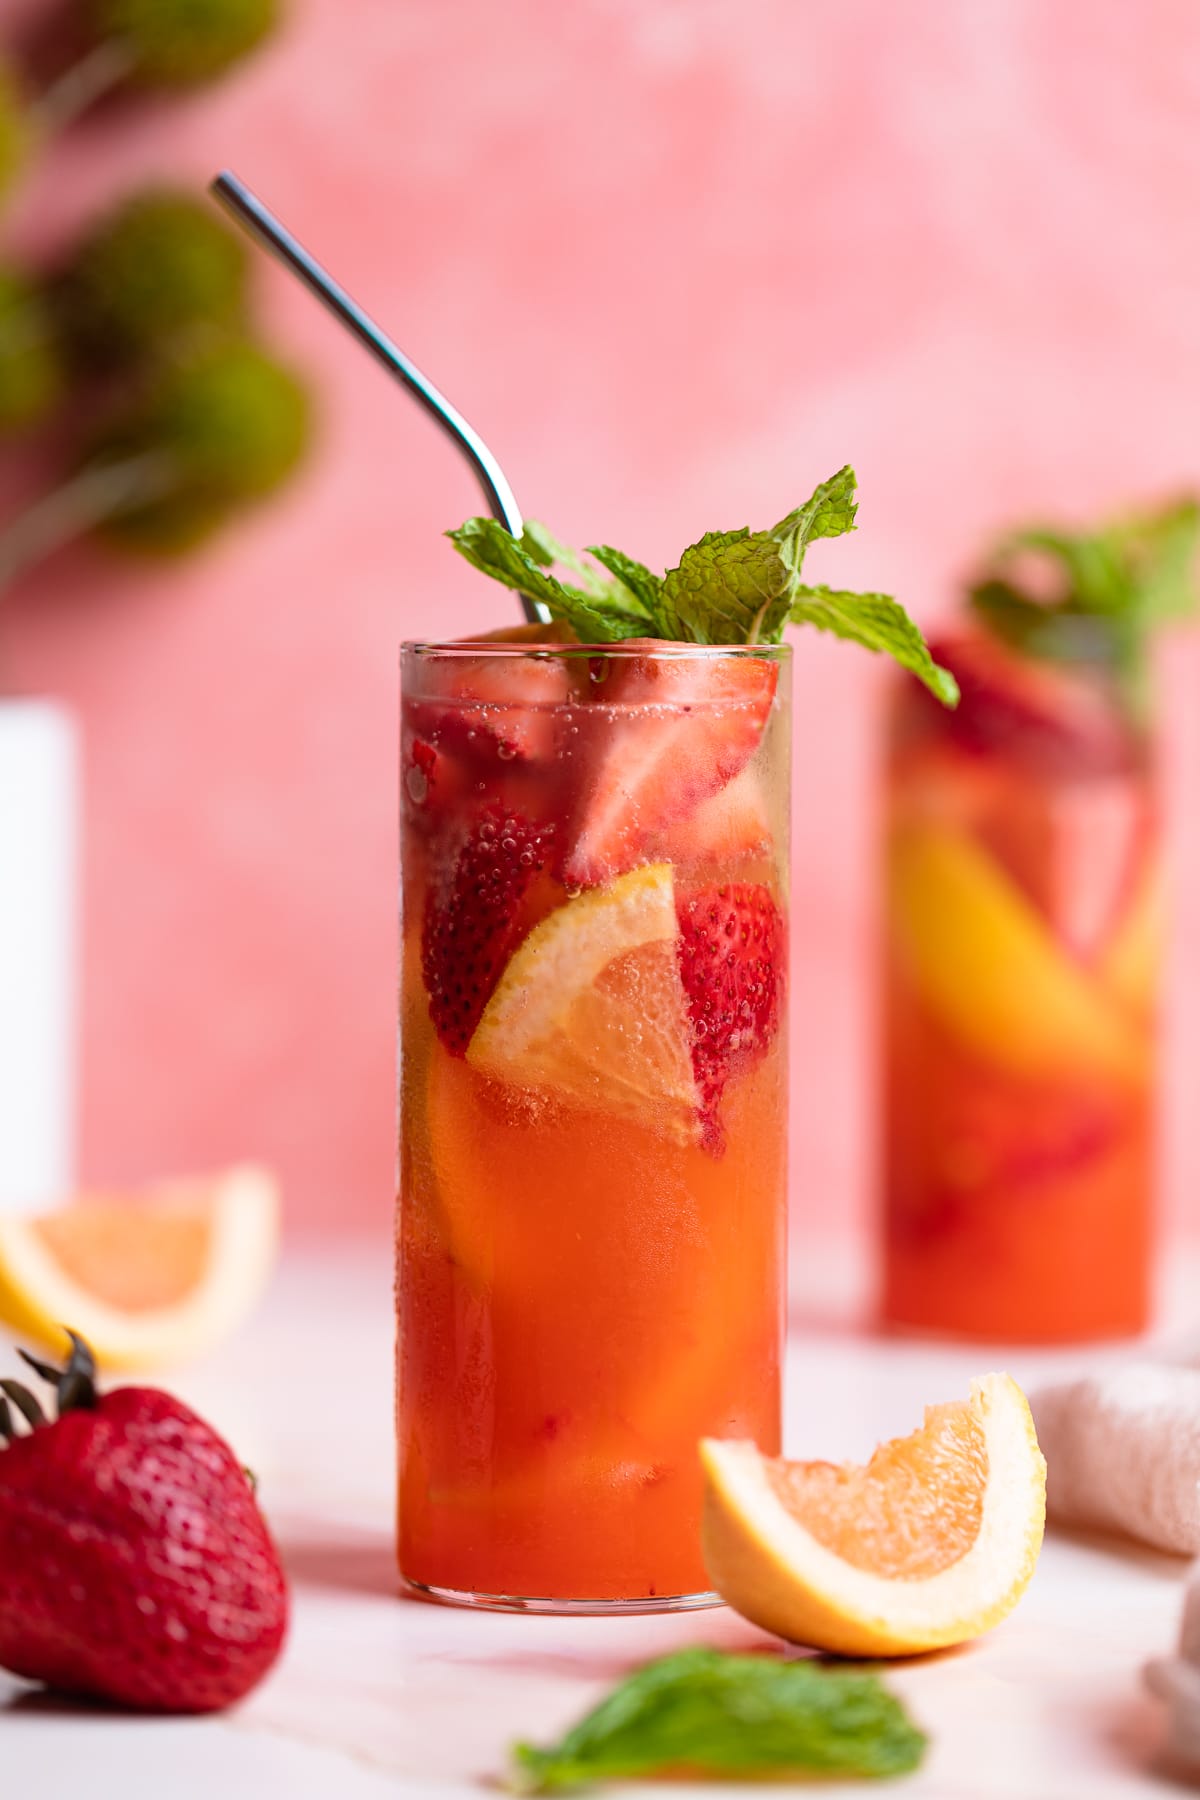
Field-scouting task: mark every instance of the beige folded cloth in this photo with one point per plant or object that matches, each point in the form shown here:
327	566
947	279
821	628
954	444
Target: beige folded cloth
1123	1452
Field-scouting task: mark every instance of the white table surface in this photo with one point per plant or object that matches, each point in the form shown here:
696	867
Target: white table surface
378	1695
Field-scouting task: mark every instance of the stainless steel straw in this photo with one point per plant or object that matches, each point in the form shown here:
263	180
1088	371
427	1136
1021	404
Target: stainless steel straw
255	218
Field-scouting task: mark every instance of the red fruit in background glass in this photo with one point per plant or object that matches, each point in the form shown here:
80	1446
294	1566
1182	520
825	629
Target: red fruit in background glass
732	960
1060	719
135	1565
669	732
474	920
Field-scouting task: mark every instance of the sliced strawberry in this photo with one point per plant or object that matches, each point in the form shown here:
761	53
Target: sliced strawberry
489	707
1060	719
664	734
732	959
1102	832
473	922
731	826
428	782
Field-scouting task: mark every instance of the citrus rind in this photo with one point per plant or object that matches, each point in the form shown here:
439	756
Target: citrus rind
770	1568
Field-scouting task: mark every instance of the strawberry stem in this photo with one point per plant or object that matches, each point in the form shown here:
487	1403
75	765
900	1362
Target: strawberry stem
24	1402
77	1383
46	1370
74	1387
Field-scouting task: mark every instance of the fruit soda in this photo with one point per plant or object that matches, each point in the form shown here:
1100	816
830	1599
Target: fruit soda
593	1108
1024	903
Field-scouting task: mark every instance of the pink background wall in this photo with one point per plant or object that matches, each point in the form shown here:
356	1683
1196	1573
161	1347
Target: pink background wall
678	259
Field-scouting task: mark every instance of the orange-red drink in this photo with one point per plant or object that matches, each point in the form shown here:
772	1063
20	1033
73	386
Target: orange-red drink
593	1108
1023	909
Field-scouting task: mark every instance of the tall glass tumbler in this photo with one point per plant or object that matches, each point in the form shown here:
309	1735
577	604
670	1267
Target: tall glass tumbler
1024	911
593	1113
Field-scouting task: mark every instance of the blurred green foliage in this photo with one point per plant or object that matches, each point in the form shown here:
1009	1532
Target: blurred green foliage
31	371
218	429
183	43
160	271
14	127
141	342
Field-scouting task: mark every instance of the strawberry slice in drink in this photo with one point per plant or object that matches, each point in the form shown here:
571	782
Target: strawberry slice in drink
732	953
475	916
1055	717
664	735
1102	837
485	708
731	826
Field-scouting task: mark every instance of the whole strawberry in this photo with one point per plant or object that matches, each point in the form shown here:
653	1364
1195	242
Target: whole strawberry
135	1565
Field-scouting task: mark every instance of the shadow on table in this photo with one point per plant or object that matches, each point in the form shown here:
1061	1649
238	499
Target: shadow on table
1135	1732
39	1703
1168	1566
354	1562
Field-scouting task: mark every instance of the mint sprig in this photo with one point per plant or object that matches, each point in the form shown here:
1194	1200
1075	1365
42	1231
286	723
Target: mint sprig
878	623
732	587
1094	596
520	563
723	1715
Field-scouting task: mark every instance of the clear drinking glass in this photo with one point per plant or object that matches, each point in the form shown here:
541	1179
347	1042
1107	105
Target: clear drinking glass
593	1111
1024	909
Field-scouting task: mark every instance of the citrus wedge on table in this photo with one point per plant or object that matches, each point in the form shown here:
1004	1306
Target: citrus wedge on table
147	1279
591	1006
930	1543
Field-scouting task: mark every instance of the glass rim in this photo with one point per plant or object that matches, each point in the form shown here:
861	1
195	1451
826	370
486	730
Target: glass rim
669	649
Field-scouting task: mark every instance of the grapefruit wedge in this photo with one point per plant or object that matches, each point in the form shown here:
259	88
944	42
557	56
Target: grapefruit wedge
147	1279
930	1543
987	967
591	1007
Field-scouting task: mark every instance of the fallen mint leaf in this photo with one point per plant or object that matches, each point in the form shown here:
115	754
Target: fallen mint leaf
707	1712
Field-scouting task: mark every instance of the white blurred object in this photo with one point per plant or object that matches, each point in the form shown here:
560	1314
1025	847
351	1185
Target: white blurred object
38	828
1176	1680
1122	1452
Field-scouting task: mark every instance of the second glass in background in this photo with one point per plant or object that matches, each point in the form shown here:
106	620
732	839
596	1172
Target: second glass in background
1024	898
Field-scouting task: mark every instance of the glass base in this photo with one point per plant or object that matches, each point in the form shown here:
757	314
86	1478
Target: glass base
514	1603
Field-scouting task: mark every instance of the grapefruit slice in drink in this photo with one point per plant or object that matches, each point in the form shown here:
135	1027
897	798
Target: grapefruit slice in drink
591	1007
148	1279
986	964
931	1542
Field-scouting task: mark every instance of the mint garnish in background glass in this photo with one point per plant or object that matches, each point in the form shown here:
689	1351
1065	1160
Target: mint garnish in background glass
1094	597
732	587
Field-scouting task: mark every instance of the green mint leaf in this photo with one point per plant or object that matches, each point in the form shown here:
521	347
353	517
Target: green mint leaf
490	547
736	587
1051	633
1093	579
879	623
731	1715
546	549
733	587
645	586
739	587
1160	549
828	512
1095	597
724	588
